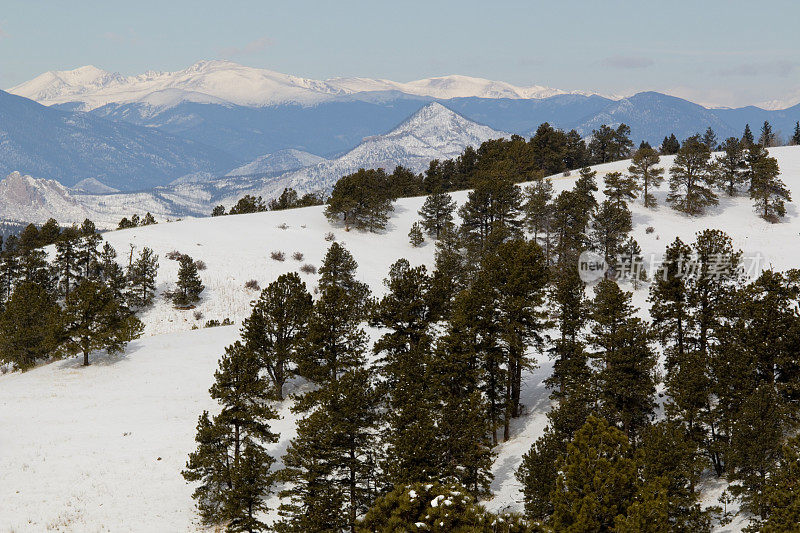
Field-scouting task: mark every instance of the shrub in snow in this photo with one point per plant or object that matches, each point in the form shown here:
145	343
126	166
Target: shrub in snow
330	236
201	265
277	255
283	226
297	256
650	229
174	255
252	285
198	315
308	269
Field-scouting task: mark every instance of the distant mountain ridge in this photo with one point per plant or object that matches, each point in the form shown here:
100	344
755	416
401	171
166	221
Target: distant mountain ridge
69	147
225	81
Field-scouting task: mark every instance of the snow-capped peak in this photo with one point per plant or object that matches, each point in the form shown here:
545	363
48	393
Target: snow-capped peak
216	81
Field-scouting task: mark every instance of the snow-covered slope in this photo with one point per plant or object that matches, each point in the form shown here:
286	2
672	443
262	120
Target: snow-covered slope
280	161
101	448
224	81
434	132
93	185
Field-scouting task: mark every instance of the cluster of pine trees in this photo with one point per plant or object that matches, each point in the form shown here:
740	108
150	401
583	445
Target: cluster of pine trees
80	301
135	221
288	199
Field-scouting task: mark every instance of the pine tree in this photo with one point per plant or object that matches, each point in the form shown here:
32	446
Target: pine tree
189	285
436	508
142	278
463	425
516	276
598	479
148	219
437	213
28	326
67	260
335	341
491	214
9	268
109	271
93	319
710	139
632	266
87	249
34	268
620	188
781	498
747	137
670	145
230	462
643	169
768	191
731	164
795	140
538	209
362	199
625	361
276	327
451	273
610	228
49	232
767	137
692	178
415	236
331	464
410	437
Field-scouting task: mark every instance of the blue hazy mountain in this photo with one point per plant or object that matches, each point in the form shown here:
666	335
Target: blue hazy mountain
71	146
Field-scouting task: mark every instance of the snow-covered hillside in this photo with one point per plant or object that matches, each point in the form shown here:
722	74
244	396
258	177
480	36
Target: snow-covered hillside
280	161
434	132
101	448
228	82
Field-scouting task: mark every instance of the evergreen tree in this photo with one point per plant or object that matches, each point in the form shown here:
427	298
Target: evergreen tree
516	276
598	479
87	249
643	169
795	140
692	178
610	228
410	437
142	278
464	428
28	326
248	204
632	266
34	268
29	237
538	210
768	137
747	137
768	191
276	327
9	268
620	188
415	236
68	260
624	359
109	271
710	139
437	213
438	508
49	232
335	341
230	462
93	319
451	273
781	497
362	199
731	164
148	220
670	145
576	154
491	214
609	144
331	464
218	211
189	285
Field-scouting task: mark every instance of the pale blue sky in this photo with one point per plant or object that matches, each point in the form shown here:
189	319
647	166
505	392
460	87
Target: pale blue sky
715	52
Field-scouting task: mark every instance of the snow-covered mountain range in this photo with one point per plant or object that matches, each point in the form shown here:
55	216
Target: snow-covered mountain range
434	132
228	82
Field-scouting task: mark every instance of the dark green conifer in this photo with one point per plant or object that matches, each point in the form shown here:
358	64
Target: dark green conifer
643	169
437	213
692	178
189	284
28	326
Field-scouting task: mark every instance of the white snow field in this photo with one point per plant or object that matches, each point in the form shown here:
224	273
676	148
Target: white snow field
101	448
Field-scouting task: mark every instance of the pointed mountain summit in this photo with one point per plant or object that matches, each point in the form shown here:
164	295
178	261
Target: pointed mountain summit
433	132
